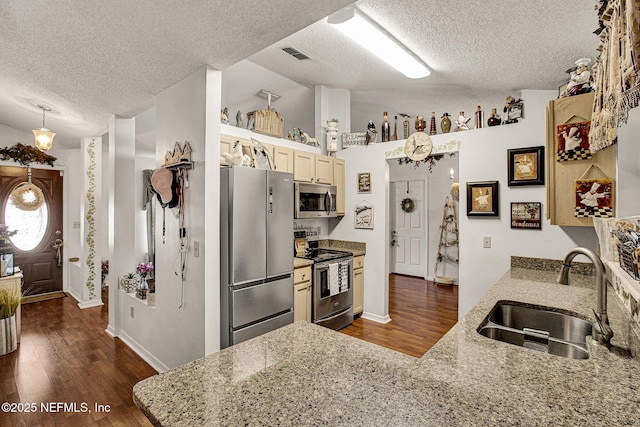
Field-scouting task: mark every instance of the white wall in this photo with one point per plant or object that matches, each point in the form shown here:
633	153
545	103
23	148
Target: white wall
184	325
628	179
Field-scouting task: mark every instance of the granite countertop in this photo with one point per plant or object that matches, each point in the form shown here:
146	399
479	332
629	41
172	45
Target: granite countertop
301	262
306	375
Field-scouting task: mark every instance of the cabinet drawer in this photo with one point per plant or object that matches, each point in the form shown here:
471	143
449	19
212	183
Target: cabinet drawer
301	274
358	262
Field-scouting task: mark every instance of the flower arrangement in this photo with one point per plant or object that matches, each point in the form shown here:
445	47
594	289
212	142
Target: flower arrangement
5	233
144	268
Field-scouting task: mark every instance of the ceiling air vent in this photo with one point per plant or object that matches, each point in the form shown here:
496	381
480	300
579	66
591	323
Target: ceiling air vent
295	53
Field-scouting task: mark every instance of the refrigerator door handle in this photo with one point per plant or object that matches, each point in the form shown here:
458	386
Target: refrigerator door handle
270	200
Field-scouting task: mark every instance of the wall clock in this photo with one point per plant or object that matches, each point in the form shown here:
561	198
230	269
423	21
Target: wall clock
418	146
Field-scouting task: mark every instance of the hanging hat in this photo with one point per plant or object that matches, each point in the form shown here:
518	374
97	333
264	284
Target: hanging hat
165	184
583	61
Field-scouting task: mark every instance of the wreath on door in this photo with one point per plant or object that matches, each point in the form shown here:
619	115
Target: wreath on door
408	205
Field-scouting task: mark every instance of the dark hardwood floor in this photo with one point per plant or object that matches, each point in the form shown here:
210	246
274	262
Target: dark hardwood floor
421	313
66	356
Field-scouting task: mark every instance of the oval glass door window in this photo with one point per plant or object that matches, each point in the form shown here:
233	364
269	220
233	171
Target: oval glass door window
31	225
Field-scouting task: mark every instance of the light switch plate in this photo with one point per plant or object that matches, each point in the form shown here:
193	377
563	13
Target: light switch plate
486	242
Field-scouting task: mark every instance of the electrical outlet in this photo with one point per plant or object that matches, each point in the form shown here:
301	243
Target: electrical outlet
196	249
131	311
76	224
486	242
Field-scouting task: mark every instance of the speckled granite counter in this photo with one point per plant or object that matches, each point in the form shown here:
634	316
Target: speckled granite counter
356	248
306	375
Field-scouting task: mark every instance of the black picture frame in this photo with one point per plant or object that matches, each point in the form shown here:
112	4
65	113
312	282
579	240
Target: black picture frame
483	198
522	162
526	215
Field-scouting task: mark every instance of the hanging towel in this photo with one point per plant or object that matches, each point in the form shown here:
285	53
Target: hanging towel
344	276
334	281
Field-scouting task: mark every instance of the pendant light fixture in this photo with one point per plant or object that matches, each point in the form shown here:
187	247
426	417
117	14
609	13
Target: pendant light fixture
43	136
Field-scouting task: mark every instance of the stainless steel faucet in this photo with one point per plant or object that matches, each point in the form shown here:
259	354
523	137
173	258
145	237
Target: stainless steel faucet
601	330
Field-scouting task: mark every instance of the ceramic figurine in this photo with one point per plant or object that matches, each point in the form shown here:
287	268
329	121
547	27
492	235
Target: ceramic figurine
513	109
421	123
224	116
445	123
372	133
580	81
239	119
461	123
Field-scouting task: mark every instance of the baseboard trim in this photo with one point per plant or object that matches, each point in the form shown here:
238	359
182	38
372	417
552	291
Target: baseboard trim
89	304
376	318
143	352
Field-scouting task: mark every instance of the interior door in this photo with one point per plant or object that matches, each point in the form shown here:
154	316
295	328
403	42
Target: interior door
38	245
408	229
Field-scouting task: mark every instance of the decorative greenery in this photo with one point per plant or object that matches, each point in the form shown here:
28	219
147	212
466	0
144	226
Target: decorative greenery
5	233
25	154
9	302
430	161
408	205
90	239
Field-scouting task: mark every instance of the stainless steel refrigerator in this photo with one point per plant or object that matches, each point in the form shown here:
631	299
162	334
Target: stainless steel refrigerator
256	255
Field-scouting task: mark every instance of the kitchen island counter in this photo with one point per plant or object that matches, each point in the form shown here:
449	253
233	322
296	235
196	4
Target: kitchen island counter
304	374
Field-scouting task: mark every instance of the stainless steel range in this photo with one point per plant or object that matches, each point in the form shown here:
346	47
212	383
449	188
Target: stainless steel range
332	301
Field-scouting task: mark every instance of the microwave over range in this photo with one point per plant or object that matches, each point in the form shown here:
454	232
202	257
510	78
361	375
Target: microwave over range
315	201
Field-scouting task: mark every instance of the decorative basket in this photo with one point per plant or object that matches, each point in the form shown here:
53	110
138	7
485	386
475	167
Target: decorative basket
629	259
354	139
267	121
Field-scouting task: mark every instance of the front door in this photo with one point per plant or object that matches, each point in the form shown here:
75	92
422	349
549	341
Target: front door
408	228
38	243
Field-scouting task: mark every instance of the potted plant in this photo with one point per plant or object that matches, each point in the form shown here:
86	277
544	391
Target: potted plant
5	234
10	300
143	269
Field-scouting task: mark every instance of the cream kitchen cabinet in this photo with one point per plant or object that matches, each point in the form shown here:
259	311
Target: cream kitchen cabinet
283	158
314	168
304	166
338	181
302	294
324	170
358	284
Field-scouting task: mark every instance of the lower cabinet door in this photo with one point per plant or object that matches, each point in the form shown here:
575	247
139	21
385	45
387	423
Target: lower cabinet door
302	302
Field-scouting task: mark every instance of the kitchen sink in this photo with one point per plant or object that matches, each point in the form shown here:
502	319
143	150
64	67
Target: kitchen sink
538	328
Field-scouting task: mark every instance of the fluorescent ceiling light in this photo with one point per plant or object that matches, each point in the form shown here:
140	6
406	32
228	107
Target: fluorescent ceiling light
379	42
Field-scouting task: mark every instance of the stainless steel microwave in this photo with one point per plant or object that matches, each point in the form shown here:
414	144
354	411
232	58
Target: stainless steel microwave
315	200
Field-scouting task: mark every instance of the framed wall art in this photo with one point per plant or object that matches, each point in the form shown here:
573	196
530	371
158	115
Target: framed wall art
572	141
525	166
483	198
526	215
363	214
594	198
364	182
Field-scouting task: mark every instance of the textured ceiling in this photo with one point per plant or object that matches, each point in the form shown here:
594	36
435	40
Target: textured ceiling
93	58
97	58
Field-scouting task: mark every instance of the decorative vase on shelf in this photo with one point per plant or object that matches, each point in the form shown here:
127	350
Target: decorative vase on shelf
421	123
445	123
494	120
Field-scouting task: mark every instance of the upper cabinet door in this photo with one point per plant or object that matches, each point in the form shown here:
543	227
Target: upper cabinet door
304	166
324	170
283	159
